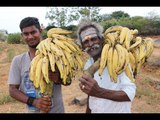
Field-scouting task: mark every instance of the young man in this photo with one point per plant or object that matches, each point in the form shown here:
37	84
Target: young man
20	86
104	96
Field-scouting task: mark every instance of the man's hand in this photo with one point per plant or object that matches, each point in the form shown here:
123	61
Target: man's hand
43	103
89	85
55	77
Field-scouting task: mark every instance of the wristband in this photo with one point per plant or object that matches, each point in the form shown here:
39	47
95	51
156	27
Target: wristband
30	101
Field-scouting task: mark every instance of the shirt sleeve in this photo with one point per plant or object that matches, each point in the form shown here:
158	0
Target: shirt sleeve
127	86
14	73
89	62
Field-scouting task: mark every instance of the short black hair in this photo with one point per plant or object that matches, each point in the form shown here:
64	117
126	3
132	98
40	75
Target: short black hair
29	21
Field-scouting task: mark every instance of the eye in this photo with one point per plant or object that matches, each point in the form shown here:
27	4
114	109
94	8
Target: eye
25	33
94	38
85	42
33	32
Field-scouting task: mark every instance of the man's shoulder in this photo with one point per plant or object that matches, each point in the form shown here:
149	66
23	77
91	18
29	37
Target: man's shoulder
88	63
20	56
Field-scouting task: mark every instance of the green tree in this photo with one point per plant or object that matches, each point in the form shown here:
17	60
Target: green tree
139	23
153	23
119	14
65	16
61	16
14	38
91	13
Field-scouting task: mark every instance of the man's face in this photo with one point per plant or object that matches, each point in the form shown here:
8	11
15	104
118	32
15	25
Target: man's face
91	43
31	36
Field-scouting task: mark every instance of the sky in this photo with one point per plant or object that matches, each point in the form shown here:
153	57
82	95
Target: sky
10	17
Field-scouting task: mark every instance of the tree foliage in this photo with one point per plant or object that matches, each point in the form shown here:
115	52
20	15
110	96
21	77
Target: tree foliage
14	38
61	16
65	16
68	17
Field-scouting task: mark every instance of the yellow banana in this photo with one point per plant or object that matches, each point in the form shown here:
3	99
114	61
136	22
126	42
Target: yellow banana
126	61
128	39
38	74
69	58
121	58
136	54
129	73
79	61
134	32
115	64
37	52
104	56
55	50
149	45
61	44
132	61
45	70
123	35
42	48
110	63
111	38
138	67
51	61
138	40
60	66
142	51
70	46
113	28
33	66
61	37
47	43
57	31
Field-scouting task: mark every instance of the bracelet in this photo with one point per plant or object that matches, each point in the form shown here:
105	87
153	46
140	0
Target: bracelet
30	101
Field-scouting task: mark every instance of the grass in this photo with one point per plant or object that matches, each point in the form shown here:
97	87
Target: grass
5	98
147	88
10	54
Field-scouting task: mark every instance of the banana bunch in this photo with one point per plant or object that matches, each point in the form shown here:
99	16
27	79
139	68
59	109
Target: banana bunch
55	52
123	50
140	54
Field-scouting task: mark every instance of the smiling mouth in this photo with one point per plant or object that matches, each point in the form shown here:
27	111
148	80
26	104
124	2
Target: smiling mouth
92	49
96	46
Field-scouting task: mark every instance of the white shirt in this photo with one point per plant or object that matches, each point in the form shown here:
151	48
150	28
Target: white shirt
100	105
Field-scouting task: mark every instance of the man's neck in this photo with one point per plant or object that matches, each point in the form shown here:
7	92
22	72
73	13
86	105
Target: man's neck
32	52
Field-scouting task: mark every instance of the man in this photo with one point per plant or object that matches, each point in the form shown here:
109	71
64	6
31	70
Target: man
104	96
20	86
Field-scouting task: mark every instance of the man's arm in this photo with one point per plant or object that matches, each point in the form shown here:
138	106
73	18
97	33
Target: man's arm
88	110
17	94
93	89
43	103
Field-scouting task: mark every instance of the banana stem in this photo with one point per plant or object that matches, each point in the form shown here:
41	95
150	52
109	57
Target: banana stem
49	89
93	68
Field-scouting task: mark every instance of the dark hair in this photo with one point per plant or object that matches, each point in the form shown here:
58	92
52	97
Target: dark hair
29	21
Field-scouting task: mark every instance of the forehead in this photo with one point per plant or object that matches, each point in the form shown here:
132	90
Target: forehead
89	32
29	29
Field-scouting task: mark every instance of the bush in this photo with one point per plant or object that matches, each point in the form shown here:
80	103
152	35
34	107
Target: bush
14	38
3	37
44	34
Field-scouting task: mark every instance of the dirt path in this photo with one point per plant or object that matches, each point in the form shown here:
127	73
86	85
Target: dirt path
146	100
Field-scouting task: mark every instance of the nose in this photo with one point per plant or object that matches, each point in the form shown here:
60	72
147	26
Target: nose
30	36
90	43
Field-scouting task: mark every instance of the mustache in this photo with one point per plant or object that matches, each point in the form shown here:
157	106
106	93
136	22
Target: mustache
95	46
